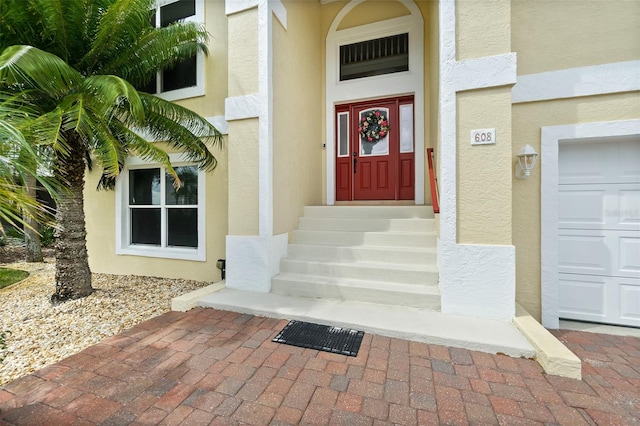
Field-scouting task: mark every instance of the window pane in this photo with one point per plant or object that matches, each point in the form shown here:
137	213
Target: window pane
176	11
182	75
188	192
145	226
406	128
182	227
343	135
374	57
144	187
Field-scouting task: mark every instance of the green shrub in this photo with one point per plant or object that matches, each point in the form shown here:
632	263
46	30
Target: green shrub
47	235
3	345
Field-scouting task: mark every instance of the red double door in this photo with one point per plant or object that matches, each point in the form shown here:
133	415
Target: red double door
375	150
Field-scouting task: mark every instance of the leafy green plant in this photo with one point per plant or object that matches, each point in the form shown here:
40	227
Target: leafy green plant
47	235
3	345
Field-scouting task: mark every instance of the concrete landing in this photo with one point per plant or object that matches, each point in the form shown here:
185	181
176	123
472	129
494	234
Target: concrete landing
394	321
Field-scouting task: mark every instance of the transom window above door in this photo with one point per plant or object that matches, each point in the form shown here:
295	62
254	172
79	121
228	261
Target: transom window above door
379	56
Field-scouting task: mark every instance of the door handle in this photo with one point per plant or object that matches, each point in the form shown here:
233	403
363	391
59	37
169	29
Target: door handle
355	161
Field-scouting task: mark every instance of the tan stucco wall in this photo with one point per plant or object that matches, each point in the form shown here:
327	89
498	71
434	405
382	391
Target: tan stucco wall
482	28
243	53
528	119
297	114
484	172
366	14
100	217
216	65
550	35
243	177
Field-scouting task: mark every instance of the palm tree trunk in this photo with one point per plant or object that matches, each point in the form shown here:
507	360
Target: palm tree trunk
31	235
73	276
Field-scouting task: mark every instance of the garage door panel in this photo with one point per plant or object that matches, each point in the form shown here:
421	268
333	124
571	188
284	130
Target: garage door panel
603	162
580	207
583	254
599	206
629	302
628	213
582	297
629	255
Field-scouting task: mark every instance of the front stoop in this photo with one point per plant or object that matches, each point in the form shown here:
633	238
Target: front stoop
372	268
373	254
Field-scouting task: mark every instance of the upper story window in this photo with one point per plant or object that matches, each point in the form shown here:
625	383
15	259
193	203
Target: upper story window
154	218
384	55
186	79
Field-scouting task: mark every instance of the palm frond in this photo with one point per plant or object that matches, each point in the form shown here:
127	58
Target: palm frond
119	28
157	49
28	67
113	94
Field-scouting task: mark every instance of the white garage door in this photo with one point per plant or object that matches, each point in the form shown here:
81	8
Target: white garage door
599	231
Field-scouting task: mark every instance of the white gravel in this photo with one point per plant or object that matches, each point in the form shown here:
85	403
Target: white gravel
42	333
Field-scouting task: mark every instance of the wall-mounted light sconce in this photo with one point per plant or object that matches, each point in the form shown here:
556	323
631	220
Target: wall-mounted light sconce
526	161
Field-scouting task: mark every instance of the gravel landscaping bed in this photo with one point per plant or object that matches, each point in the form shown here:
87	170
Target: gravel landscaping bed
42	333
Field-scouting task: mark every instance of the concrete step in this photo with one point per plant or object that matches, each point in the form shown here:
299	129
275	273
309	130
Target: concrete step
374	271
388	293
360	238
420	325
379	212
367	224
380	254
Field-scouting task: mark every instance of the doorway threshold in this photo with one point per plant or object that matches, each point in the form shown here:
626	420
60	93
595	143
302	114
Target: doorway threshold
377	203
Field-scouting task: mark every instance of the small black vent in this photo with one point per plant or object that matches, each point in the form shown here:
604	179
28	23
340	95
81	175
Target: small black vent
374	57
321	337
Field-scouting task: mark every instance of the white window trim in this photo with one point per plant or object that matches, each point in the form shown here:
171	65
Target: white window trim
199	88
123	220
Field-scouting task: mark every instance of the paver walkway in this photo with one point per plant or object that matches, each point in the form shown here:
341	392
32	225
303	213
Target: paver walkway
215	367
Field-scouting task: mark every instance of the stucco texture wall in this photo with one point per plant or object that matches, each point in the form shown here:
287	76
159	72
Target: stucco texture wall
484	172
243	53
101	235
528	119
550	35
297	114
243	177
481	28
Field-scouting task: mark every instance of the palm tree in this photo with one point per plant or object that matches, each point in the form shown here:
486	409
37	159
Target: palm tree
76	63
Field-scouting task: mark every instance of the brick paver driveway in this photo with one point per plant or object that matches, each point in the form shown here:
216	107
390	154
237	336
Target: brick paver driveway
215	367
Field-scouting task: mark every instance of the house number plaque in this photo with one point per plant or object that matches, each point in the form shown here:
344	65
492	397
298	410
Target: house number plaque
483	137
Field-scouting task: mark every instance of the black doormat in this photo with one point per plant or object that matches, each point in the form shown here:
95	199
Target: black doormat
321	337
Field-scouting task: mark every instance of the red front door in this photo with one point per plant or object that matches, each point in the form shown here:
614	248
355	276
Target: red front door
374	150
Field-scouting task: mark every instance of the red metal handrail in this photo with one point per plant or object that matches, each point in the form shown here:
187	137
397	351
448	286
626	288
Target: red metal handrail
432	182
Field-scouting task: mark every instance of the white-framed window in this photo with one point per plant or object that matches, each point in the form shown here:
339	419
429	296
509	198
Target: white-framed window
155	219
186	79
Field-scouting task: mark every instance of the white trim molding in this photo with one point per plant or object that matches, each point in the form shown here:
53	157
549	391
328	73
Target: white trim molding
242	107
551	138
237	6
475	280
219	123
388	85
594	80
488	71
